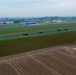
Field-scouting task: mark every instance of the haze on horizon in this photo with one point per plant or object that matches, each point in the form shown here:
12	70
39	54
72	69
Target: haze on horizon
37	8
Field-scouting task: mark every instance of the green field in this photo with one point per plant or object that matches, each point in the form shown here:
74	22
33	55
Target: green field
28	44
23	29
11	25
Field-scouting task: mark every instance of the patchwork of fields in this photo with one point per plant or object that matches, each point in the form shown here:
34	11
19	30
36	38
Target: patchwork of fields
10	47
29	43
22	29
57	60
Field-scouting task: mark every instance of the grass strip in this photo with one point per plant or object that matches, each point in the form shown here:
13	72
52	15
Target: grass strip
29	44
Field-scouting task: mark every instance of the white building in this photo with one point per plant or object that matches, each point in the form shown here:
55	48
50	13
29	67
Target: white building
57	21
9	22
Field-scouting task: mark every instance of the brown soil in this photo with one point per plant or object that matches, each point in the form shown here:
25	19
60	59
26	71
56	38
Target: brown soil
57	60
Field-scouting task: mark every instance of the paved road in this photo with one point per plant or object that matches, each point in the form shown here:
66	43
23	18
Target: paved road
33	33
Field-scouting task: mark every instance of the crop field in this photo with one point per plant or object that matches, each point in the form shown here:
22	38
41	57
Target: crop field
10	25
29	44
57	60
12	29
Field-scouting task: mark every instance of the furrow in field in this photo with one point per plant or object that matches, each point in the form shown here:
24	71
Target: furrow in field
32	66
65	57
57	65
6	69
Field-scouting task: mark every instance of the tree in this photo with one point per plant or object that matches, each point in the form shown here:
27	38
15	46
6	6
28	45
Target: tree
16	22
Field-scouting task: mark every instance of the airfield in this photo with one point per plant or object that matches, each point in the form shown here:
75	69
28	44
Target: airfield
8	31
56	60
16	38
38	50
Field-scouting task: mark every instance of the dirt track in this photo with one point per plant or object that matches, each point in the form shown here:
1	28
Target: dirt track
58	60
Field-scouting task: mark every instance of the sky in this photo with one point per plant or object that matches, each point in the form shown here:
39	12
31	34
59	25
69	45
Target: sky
37	8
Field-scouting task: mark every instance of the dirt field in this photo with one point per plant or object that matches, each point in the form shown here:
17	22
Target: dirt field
57	60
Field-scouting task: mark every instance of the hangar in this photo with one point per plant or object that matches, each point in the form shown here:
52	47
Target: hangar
29	23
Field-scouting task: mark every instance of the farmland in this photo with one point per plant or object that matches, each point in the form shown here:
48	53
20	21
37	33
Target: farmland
29	44
22	29
43	54
56	60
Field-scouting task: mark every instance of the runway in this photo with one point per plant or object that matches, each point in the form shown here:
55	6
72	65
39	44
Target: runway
34	33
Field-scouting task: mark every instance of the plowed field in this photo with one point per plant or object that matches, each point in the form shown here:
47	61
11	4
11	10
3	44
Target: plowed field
56	60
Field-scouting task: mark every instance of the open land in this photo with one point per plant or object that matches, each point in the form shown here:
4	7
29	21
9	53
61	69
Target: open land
17	28
29	34
56	60
15	58
15	31
10	47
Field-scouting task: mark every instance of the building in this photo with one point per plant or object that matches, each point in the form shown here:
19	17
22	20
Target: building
29	23
57	21
9	22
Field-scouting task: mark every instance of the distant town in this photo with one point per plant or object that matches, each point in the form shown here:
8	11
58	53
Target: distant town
37	20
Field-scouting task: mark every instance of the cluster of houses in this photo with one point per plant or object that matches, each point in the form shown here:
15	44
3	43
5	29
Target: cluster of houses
37	20
23	23
28	23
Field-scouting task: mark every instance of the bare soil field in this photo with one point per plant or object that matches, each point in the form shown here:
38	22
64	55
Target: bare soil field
56	60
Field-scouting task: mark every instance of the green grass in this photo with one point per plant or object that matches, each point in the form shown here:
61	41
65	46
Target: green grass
28	44
35	35
12	24
23	29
